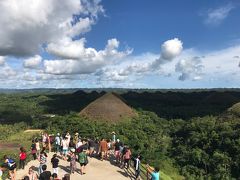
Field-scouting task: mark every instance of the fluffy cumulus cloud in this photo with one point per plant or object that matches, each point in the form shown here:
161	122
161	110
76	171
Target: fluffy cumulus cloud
2	60
33	62
170	49
216	16
81	60
26	25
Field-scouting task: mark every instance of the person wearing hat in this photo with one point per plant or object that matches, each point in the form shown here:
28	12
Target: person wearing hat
75	140
72	159
113	137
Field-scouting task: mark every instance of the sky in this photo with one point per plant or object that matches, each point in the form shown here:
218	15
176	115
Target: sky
119	44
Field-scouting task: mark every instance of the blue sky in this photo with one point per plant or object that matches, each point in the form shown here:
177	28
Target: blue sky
119	43
144	25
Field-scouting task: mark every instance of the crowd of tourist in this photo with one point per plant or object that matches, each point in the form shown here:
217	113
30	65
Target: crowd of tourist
73	149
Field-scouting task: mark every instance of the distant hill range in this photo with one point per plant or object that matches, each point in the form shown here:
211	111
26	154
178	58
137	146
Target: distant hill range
109	107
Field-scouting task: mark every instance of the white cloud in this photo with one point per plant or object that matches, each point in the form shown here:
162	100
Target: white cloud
171	49
6	72
26	24
2	60
81	60
33	62
216	16
189	68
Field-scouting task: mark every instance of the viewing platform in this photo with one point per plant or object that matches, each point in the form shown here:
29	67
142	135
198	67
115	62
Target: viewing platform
96	169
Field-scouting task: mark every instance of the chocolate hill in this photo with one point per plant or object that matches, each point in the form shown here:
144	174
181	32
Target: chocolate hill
109	107
235	109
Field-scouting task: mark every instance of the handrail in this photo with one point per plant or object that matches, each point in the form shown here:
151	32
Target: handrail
144	173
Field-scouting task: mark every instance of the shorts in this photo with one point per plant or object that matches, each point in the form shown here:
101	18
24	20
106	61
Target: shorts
65	151
83	164
12	167
117	153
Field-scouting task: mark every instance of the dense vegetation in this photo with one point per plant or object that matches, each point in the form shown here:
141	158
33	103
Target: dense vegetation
186	133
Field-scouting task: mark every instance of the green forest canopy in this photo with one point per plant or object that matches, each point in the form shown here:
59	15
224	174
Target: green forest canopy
187	133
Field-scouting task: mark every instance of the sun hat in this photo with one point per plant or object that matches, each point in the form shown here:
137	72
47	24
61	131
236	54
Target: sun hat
72	150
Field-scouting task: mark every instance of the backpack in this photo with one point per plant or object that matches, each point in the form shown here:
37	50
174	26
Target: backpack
11	163
82	157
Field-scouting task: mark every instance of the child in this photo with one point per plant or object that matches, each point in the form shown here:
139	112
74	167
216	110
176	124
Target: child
55	162
22	157
72	158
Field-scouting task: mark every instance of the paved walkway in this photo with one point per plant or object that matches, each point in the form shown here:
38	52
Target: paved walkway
96	169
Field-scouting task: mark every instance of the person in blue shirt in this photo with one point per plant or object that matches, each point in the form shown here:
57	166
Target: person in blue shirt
153	172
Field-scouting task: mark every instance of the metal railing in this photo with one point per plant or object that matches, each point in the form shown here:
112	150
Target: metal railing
144	174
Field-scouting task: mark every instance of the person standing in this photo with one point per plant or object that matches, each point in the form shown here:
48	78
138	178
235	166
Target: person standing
1	171
103	148
137	164
65	145
117	147
91	146
43	160
45	175
37	147
113	137
75	140
68	136
44	140
34	150
49	141
127	157
55	162
82	158
72	158
22	157
11	166
58	143
31	174
153	172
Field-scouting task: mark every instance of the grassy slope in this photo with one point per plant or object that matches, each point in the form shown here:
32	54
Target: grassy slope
24	139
